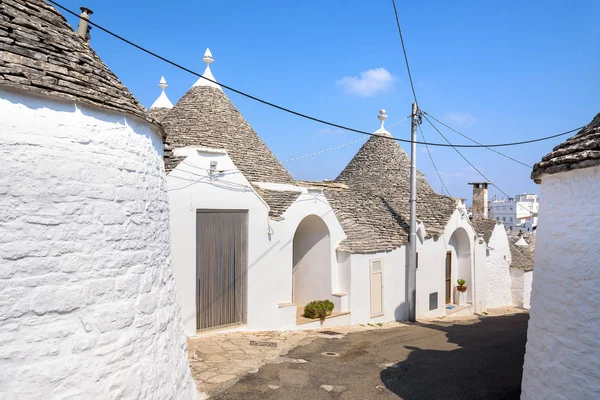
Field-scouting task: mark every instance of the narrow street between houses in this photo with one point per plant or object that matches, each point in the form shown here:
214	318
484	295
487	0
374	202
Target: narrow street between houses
474	357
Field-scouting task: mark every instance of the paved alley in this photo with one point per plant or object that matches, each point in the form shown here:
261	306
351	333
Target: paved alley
459	358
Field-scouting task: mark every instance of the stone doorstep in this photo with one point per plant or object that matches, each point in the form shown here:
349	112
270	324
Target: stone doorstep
300	320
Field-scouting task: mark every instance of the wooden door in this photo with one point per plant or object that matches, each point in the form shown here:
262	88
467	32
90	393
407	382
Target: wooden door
221	267
376	288
449	277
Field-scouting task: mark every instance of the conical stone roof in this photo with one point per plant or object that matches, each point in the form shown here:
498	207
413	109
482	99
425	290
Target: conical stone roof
206	117
579	151
40	52
374	211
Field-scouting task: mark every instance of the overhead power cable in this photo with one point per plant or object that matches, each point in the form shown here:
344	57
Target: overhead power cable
412	86
305	116
433	163
337	147
318	153
475	141
471	164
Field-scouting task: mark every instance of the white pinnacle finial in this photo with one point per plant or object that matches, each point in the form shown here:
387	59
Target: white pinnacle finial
382	117
162	101
208	59
163	83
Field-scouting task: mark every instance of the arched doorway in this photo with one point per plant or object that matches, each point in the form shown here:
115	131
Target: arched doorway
459	258
311	273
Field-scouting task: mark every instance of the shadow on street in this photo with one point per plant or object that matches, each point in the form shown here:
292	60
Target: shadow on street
475	358
488	364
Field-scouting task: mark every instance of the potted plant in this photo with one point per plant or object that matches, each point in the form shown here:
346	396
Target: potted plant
318	309
461	285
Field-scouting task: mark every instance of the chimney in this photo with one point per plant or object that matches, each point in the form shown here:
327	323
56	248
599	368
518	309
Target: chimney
84	29
480	199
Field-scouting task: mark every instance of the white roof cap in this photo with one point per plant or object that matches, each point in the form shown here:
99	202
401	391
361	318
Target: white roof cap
521	242
208	59
382	117
162	101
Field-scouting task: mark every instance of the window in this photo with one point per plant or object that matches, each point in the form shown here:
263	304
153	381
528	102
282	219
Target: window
497	218
511	208
504	219
510	219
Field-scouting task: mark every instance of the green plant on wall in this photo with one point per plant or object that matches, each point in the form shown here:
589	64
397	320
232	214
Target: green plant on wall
461	282
318	309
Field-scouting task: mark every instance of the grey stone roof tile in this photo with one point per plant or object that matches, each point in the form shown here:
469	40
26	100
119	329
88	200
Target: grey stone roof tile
484	227
206	117
579	151
40	52
374	210
278	201
522	257
171	162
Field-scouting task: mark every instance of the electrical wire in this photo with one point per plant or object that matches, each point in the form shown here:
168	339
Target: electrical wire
337	147
471	164
318	153
475	141
433	163
412	86
299	114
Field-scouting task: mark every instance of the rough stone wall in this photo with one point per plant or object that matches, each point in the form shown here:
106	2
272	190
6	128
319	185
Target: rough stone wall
498	274
480	200
562	359
88	306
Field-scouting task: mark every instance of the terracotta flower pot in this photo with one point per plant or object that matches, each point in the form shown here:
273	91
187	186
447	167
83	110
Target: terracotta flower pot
461	288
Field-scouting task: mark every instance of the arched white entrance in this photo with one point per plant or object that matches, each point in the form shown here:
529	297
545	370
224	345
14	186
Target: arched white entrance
311	273
459	252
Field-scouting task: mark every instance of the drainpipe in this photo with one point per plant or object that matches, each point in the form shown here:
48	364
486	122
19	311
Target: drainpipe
84	29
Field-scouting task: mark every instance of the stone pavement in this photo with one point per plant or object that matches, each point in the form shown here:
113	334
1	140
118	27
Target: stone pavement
219	360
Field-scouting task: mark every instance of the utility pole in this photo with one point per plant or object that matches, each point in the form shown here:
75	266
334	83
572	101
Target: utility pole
412	258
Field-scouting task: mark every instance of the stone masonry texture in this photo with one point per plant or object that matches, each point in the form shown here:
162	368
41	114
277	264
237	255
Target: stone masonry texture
88	306
41	53
562	359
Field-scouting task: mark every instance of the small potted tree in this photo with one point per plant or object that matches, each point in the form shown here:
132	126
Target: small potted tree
461	285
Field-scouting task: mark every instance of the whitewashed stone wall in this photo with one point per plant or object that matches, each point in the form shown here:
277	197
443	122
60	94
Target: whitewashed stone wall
521	282
562	359
88	306
498	265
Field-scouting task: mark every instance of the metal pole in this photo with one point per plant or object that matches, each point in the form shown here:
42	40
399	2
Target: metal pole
412	260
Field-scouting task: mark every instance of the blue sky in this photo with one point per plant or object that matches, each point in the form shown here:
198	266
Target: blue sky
497	71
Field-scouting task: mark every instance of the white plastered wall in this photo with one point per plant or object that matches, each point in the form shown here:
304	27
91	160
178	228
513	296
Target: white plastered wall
394	291
431	273
562	354
521	282
270	243
498	265
312	262
88	305
430	276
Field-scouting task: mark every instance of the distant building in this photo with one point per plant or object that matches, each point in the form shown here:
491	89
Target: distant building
517	214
